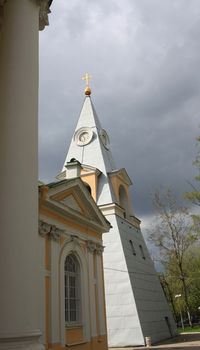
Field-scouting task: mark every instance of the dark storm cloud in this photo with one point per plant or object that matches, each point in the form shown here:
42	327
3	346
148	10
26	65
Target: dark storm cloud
144	58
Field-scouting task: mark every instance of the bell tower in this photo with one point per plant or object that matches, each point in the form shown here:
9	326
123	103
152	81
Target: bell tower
135	303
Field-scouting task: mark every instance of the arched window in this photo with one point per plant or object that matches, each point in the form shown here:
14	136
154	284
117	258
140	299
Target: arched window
88	187
123	200
72	290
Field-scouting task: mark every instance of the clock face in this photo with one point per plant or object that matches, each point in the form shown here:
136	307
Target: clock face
104	138
83	136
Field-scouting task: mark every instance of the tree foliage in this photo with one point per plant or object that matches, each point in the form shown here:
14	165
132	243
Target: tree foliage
173	236
176	234
172	285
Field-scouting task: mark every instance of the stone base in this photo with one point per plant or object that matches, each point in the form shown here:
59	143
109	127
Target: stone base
26	341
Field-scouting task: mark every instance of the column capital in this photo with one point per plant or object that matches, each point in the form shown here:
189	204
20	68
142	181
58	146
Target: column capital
95	247
91	246
49	231
44	12
99	249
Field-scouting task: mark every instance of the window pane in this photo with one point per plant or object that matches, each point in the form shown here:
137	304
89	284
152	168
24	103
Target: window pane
73	304
71	264
72	293
72	280
73	315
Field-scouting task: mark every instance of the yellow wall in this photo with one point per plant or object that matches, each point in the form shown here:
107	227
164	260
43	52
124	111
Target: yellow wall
116	182
91	180
74	336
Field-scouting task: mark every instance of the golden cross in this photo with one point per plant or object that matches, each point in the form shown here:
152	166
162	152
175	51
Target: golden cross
87	78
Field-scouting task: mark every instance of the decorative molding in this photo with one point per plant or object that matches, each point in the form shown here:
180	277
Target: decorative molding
27	340
43	14
75	241
50	231
95	247
83	136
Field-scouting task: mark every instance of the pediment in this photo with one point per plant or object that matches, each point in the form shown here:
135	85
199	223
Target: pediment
71	202
70	198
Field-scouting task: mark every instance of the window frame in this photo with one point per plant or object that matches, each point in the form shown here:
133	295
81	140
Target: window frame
68	298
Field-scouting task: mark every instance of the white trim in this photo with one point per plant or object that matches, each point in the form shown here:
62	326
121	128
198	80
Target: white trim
100	295
92	292
70	247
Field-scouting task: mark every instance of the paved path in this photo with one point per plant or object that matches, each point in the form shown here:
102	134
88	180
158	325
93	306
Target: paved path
187	341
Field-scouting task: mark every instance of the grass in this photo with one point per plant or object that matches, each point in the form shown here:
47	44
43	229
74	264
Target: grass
189	329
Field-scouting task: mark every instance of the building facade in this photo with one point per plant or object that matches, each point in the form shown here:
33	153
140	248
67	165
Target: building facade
72	289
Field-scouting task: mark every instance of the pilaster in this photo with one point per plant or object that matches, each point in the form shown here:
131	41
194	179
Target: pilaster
20	253
92	281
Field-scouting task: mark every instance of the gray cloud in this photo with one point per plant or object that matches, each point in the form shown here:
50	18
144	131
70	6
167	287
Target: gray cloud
144	58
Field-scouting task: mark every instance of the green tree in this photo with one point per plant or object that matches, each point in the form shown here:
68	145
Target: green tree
192	267
173	236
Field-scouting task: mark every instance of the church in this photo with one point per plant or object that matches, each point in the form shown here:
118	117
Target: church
136	306
54	271
89	233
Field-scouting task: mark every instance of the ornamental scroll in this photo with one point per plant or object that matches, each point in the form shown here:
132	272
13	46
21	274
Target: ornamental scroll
49	231
95	247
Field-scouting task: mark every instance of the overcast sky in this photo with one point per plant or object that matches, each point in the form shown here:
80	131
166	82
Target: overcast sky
144	58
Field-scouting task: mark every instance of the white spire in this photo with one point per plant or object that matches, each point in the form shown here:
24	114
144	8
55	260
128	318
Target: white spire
90	146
